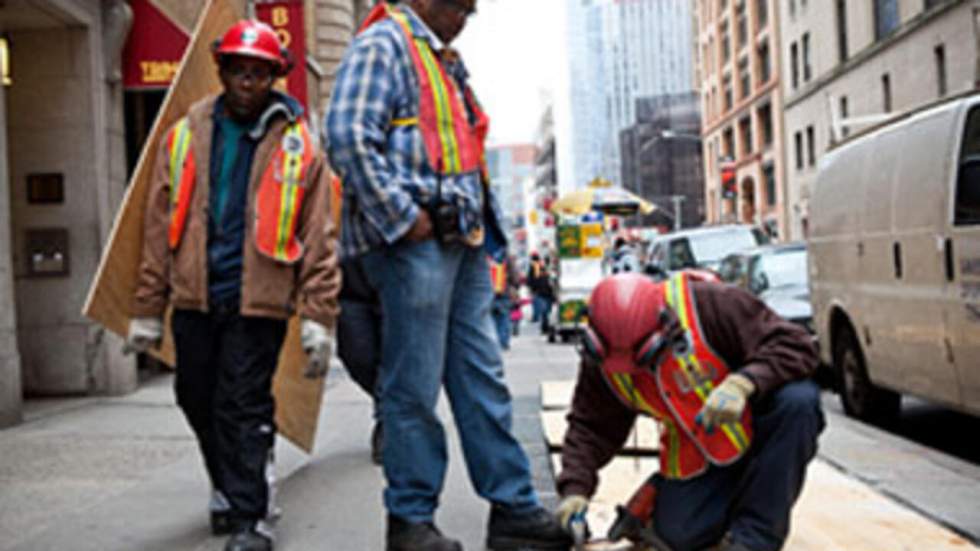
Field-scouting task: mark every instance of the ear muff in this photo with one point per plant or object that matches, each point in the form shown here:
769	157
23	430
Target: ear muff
648	353
591	347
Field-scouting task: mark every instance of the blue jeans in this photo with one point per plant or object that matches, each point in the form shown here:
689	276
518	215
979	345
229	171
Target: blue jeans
437	332
542	305
752	499
501	320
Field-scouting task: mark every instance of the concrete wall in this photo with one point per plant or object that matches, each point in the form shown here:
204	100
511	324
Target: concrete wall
10	373
907	57
65	117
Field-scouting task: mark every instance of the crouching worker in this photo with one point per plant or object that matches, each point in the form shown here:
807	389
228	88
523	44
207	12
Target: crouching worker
237	237
726	379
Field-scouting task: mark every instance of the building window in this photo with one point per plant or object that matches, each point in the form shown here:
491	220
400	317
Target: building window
799	150
745	134
727	85
886	93
794	63
762	13
744	77
886	18
769	175
940	54
765	67
845	130
743	26
765	124
811	148
807	72
728	143
842	30
792	8
726	47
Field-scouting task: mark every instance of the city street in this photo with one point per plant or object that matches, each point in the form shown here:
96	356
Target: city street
124	473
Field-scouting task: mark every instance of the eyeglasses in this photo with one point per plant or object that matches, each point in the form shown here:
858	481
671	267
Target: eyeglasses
459	7
258	73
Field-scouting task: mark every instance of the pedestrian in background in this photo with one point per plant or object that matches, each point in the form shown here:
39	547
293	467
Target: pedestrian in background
540	283
500	281
407	135
237	237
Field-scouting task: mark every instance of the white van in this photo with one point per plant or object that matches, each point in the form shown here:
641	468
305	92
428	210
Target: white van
895	261
700	247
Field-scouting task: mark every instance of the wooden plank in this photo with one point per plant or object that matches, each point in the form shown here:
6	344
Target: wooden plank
873	522
834	512
557	394
643	439
297	399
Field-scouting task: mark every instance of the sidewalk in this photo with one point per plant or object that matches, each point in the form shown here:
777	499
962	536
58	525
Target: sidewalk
124	473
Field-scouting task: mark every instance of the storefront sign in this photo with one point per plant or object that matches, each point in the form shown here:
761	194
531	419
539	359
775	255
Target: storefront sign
153	50
286	17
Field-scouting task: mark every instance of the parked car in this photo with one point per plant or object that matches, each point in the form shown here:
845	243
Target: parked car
699	248
777	274
895	261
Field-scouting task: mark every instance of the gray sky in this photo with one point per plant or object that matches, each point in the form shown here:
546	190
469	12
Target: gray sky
515	51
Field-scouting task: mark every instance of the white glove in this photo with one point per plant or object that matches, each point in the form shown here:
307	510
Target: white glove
318	345
144	334
726	402
572	508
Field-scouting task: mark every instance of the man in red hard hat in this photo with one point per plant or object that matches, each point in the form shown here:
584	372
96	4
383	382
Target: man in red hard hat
237	237
726	378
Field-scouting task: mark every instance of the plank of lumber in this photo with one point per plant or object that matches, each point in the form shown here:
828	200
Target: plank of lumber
834	512
557	394
297	399
643	439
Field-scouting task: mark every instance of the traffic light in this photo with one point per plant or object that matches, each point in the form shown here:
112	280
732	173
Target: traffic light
728	190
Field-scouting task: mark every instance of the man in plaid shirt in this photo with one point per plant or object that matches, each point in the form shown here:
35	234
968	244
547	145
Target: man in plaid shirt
405	134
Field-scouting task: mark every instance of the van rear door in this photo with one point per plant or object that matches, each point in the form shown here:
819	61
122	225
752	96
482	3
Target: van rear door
962	264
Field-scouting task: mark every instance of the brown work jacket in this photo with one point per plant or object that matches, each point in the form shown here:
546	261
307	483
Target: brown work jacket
269	288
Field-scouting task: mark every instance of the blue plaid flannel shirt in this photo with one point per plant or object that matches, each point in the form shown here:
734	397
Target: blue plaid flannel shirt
384	168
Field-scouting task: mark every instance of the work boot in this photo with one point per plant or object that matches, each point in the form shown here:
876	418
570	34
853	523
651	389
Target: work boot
537	530
250	537
220	511
377	443
423	536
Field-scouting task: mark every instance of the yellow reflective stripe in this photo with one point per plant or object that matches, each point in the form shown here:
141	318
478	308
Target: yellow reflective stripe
677	289
444	113
407	121
625	384
674	447
287	205
178	154
701	390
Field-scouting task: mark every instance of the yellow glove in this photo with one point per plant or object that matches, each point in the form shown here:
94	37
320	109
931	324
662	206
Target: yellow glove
726	402
571	508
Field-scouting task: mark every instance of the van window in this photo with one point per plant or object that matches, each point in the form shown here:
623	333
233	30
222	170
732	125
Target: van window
680	254
967	210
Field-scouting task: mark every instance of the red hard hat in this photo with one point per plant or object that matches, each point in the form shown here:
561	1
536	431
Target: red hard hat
252	38
629	323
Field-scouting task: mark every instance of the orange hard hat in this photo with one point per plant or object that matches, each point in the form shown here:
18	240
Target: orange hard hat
252	38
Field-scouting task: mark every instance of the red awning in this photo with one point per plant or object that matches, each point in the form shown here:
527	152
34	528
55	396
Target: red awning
153	50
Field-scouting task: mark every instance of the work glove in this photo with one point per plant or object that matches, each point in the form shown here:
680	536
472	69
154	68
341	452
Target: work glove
318	345
144	334
726	402
572	509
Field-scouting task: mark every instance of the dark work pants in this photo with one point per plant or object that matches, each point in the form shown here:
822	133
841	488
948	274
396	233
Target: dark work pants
752	499
225	364
359	343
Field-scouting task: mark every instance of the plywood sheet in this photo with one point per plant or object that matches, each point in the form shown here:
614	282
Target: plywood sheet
557	394
643	439
835	512
297	399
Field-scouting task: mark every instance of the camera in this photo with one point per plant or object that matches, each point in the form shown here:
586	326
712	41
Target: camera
445	221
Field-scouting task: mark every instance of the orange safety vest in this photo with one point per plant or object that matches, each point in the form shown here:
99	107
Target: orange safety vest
453	144
279	199
498	276
676	392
